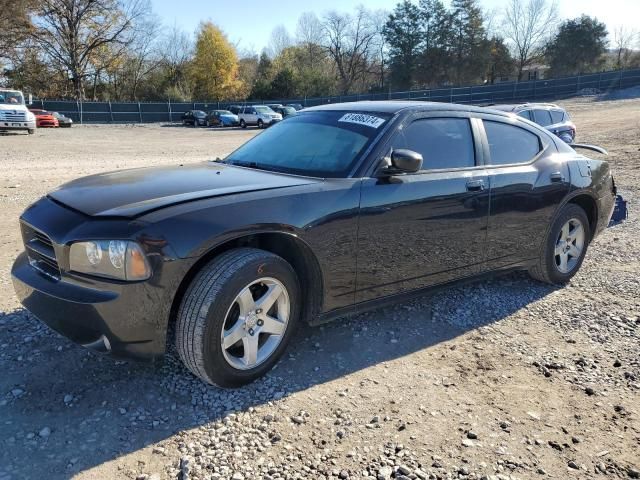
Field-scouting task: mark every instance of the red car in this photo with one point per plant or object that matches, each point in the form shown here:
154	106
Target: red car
44	118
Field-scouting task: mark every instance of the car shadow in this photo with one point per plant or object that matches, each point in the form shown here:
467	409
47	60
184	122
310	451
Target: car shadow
7	133
212	129
64	409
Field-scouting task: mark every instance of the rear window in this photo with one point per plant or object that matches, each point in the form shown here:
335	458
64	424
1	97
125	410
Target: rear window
317	144
525	114
510	144
542	117
444	143
557	116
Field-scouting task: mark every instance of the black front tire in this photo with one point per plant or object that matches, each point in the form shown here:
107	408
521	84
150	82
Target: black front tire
545	269
260	124
204	307
31	131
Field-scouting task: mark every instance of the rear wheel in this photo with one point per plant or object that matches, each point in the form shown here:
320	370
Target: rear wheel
237	317
565	247
243	124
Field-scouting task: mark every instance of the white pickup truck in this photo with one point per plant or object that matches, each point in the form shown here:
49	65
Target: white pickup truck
14	114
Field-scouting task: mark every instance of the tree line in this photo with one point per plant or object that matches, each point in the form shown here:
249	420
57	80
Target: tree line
119	50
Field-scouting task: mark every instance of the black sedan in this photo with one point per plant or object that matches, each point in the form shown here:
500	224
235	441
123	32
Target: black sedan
63	121
339	209
195	118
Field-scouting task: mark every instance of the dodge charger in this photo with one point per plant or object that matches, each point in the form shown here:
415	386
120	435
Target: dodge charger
336	210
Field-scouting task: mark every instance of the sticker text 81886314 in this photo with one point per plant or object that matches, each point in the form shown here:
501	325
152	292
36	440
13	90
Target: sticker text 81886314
362	119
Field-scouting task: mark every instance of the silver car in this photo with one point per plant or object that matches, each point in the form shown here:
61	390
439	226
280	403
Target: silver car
258	115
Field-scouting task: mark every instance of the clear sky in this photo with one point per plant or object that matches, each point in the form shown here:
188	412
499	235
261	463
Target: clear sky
249	23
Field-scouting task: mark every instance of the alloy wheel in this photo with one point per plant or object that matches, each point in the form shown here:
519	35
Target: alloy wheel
569	245
255	323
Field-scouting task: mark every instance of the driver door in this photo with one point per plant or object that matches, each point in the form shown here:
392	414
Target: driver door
427	228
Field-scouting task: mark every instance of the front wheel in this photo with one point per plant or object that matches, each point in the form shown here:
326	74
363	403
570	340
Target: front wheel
31	131
565	247
237	317
260	124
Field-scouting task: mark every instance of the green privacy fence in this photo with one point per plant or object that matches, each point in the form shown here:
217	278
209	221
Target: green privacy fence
533	90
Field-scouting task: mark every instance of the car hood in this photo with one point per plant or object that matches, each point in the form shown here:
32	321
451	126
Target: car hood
229	117
130	193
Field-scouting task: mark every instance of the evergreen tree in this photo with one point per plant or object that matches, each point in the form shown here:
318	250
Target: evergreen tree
404	35
578	46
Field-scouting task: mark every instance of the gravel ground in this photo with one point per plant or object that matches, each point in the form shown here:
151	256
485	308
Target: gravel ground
504	379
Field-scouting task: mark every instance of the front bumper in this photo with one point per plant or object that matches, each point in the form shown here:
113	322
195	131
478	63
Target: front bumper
7	125
119	319
126	319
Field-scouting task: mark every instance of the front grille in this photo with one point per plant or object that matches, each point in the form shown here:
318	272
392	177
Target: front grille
11	116
42	255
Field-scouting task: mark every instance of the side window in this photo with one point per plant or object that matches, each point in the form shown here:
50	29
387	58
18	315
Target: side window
557	116
543	117
525	114
443	142
510	144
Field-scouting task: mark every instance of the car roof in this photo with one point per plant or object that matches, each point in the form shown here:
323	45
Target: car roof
395	106
522	106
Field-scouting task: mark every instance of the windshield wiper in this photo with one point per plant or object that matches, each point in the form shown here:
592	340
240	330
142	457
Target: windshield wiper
255	165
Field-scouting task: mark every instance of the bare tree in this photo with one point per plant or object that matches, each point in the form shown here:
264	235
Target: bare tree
623	41
70	31
309	29
349	41
527	26
280	39
176	51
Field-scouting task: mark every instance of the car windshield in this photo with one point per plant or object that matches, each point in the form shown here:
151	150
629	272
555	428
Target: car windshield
333	142
12	98
263	110
289	110
199	113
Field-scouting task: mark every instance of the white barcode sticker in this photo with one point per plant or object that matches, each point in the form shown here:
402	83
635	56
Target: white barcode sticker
362	119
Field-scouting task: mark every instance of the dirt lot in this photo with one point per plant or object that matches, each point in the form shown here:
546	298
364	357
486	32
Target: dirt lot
499	380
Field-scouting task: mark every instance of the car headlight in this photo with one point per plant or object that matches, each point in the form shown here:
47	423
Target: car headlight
119	259
30	117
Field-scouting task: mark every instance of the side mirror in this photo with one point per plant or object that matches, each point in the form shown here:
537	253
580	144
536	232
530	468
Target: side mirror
404	161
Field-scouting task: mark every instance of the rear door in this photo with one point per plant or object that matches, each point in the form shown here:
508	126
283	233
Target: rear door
430	227
526	186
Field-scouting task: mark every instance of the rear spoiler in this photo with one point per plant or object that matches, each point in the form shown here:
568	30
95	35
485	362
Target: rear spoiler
595	148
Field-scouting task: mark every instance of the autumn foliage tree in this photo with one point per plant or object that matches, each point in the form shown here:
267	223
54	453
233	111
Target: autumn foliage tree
214	68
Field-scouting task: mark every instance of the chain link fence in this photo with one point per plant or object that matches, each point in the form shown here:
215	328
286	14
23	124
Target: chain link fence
507	92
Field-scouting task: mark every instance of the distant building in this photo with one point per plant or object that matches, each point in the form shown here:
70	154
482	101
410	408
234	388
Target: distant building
532	72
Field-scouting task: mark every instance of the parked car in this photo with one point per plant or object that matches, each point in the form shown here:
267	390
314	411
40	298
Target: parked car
195	118
342	208
14	115
285	111
44	118
297	106
64	122
259	115
222	118
548	115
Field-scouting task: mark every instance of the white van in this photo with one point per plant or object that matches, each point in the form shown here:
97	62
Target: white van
14	114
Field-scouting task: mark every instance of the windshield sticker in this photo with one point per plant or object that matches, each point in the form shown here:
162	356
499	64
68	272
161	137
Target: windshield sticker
362	119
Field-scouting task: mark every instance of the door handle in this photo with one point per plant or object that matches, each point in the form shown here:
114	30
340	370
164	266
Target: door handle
475	185
557	177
